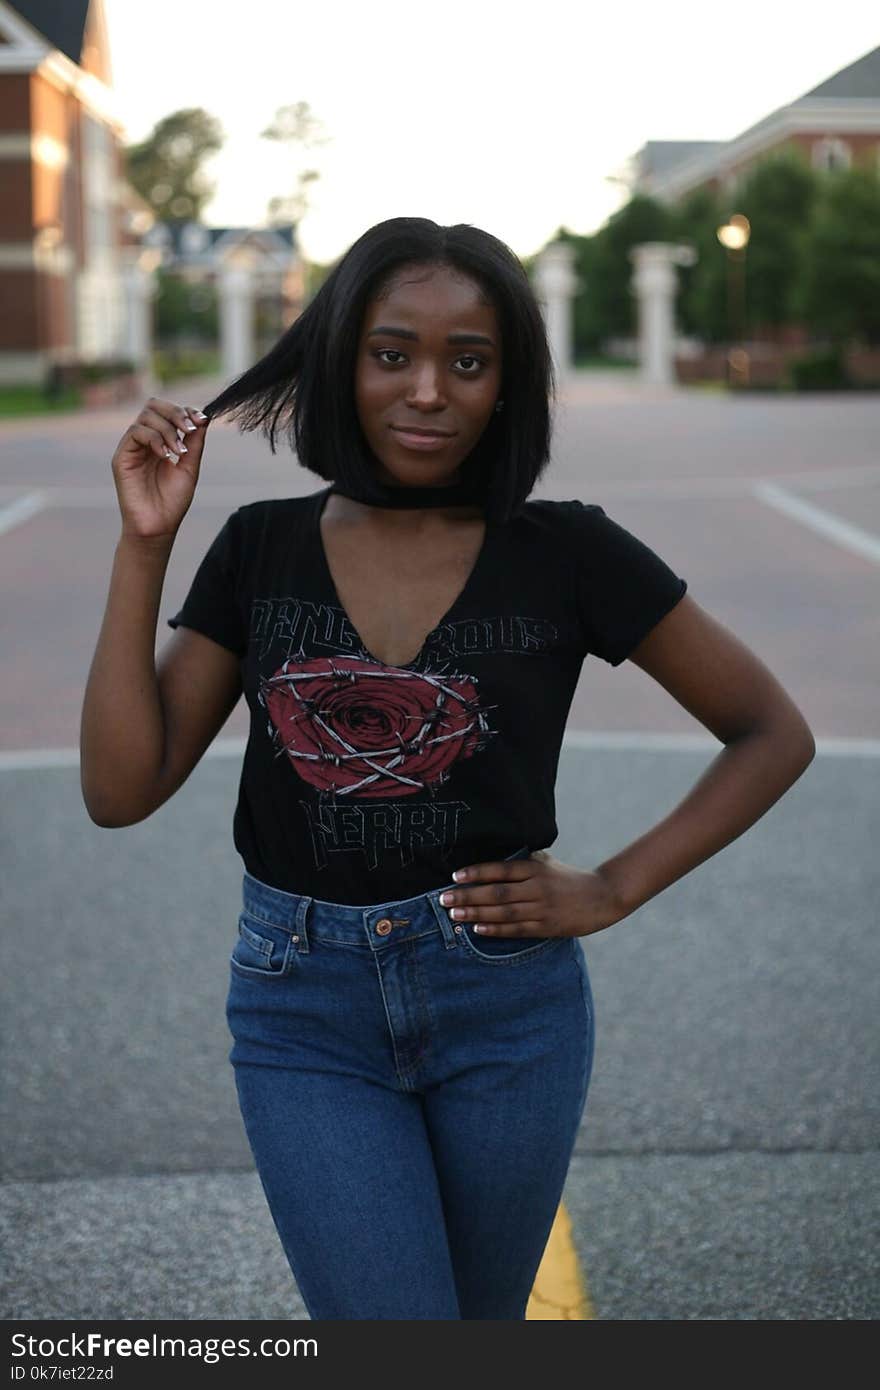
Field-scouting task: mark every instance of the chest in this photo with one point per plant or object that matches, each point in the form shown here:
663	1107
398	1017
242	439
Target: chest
395	592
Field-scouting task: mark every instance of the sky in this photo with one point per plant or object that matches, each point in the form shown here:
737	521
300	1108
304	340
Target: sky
514	117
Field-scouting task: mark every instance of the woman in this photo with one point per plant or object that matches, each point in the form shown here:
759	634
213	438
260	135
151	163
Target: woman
408	996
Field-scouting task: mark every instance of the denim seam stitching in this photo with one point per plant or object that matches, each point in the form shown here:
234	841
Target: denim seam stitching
517	956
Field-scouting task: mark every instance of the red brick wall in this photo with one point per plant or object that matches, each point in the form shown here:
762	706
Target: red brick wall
18	322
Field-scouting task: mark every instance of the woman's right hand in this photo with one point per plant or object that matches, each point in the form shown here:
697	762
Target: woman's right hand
154	491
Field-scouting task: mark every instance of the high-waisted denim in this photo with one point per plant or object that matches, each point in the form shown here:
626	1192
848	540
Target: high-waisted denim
411	1092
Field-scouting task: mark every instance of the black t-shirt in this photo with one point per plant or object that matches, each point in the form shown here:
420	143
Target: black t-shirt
365	783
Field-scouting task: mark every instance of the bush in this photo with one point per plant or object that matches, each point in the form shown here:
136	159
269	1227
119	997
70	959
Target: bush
824	370
175	363
106	370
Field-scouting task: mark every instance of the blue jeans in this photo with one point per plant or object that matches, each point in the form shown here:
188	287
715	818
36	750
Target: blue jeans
411	1093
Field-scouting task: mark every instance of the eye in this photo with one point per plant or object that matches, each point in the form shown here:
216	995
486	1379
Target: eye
466	357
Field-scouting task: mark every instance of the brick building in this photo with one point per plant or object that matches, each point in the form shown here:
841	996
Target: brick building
836	124
78	246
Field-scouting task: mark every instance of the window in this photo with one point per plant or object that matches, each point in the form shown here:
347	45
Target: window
830	154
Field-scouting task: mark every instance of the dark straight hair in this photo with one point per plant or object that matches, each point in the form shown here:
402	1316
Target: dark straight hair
306	380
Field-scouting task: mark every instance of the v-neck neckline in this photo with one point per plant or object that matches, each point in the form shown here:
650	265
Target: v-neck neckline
476	571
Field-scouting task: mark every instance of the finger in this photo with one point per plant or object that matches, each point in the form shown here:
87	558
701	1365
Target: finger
530	928
184	420
503	868
154	439
172	434
487	911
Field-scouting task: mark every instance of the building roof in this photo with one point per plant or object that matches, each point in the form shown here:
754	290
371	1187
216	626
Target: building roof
192	242
659	156
63	25
861	80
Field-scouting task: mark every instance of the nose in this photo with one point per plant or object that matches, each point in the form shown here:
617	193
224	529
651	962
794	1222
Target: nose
426	389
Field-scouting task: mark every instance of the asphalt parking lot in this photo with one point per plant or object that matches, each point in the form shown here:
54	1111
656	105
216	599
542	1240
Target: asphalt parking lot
727	1162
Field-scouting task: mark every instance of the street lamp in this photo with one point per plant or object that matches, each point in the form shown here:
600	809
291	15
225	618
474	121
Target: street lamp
734	236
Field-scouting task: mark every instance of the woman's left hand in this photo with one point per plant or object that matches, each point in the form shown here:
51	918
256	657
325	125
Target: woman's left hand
538	896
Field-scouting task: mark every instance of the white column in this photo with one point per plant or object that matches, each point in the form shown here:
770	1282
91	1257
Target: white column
236	320
654	282
555	285
140	290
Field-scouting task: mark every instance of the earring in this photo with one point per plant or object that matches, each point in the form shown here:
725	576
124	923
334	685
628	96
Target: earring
499	405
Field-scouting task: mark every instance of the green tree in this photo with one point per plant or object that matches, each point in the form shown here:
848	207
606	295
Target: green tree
777	195
165	169
185	311
840	289
608	280
604	304
701	304
296	127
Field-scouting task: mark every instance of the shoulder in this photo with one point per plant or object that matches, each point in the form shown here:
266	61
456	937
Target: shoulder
269	517
566	518
257	529
273	509
562	511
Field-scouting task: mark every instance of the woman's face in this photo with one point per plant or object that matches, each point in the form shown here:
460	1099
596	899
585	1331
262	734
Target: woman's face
410	375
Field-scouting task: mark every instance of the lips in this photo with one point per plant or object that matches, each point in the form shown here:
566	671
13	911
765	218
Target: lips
429	434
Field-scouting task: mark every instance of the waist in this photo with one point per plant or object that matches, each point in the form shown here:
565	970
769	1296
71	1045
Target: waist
345	922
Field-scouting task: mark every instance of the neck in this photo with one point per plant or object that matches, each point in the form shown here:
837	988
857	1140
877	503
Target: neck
382	494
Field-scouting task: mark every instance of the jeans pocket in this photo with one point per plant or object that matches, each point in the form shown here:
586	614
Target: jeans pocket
262	951
507	950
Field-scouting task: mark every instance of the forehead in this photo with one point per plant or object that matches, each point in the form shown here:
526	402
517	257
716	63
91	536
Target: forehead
437	292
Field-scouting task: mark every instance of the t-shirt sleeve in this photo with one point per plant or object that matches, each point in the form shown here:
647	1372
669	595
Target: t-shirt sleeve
213	605
623	586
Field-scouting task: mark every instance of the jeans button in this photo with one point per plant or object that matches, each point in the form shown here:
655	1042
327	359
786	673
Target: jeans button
383	926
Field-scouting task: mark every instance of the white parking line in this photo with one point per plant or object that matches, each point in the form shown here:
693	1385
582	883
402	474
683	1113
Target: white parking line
851	538
27	759
706	743
22	509
101	496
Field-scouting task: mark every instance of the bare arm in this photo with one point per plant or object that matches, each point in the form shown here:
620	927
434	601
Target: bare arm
768	745
122	728
146	722
142	729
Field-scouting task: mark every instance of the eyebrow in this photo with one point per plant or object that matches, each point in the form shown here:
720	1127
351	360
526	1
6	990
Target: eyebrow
408	333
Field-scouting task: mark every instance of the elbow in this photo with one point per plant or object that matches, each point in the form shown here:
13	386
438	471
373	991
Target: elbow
105	810
103	815
799	736
105	821
792	740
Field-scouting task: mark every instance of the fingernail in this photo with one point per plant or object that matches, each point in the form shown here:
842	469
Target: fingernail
459	875
200	414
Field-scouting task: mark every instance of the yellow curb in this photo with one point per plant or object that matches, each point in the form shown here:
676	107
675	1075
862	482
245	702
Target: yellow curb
560	1288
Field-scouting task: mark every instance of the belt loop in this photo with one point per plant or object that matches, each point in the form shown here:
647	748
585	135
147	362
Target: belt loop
302	910
449	937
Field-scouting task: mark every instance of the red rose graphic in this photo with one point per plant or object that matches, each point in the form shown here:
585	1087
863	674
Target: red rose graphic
360	728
